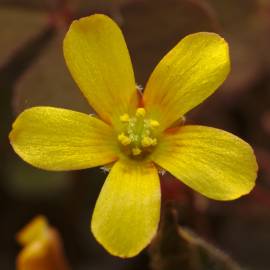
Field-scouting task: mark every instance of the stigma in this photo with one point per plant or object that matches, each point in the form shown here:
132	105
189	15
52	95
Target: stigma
138	136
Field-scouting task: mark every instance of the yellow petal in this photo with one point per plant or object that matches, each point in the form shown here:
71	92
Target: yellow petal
127	211
186	76
60	139
97	57
215	163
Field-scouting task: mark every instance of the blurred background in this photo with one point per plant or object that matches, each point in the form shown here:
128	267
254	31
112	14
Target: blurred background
32	72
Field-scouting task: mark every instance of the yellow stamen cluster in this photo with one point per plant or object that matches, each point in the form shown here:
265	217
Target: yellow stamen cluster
138	136
147	141
125	140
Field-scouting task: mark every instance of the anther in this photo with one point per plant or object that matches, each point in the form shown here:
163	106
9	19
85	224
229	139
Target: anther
154	141
124	118
154	123
136	151
140	112
123	139
147	141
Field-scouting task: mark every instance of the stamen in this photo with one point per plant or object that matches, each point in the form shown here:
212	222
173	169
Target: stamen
140	112
136	151
154	123
147	141
138	134
123	139
154	141
124	118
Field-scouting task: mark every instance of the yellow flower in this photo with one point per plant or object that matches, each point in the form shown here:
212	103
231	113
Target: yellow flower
135	133
42	247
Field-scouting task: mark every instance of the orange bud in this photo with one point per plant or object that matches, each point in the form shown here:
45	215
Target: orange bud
42	247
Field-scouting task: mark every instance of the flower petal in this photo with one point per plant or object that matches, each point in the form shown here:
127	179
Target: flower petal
215	163
186	76
127	211
97	57
60	139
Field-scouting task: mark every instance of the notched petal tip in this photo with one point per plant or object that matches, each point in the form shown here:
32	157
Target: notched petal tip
83	23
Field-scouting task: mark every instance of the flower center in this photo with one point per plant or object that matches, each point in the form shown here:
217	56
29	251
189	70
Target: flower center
138	136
